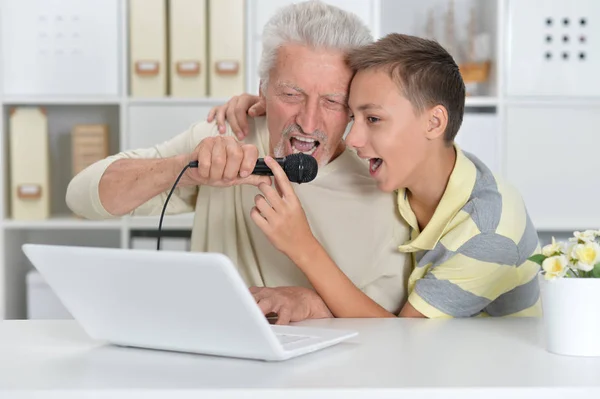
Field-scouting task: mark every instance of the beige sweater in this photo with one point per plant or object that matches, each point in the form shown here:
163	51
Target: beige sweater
357	225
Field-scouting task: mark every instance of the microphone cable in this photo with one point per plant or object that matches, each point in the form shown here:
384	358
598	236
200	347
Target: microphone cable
193	164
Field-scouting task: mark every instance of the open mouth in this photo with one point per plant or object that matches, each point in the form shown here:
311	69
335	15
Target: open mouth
374	164
304	145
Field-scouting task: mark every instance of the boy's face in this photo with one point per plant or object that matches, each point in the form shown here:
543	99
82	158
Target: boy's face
386	130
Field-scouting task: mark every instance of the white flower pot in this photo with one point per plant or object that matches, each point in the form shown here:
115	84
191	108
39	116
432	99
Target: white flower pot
571	315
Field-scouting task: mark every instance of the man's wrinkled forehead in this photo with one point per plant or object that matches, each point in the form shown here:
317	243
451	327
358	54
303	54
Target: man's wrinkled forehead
315	70
340	95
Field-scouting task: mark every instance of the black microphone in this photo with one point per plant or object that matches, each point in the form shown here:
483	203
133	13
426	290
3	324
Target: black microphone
299	168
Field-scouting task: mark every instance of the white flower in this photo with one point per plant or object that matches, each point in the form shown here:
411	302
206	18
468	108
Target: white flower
555	267
583	237
568	250
586	255
552	249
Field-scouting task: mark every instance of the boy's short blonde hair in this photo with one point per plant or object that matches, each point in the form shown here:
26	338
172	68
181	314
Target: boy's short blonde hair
425	72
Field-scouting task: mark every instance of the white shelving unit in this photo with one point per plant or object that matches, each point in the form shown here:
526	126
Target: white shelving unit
494	122
64	111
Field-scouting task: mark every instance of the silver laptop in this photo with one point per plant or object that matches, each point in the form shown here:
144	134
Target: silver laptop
176	301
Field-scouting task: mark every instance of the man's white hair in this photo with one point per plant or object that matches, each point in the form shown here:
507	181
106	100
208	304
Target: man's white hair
313	24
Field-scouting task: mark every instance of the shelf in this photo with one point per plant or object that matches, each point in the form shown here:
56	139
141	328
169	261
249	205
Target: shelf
177	101
554	102
481	101
170	222
566	227
62	100
62	223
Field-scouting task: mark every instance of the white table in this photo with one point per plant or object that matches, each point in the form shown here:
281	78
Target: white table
393	358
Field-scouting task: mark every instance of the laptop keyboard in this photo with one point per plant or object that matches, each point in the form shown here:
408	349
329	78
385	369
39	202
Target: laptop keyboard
288	339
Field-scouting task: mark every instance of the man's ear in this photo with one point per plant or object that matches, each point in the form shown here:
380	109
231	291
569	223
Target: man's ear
437	121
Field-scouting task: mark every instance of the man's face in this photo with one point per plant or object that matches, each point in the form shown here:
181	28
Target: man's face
305	101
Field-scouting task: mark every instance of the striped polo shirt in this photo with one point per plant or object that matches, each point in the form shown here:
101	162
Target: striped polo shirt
471	258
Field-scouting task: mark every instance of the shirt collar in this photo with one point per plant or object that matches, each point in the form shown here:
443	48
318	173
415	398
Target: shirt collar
457	193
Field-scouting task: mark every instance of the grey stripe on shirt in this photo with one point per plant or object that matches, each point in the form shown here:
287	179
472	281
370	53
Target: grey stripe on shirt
449	298
515	300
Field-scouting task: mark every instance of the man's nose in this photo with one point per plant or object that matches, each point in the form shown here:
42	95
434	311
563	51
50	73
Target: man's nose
309	117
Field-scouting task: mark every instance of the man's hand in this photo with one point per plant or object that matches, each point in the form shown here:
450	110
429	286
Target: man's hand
291	304
279	214
223	162
236	112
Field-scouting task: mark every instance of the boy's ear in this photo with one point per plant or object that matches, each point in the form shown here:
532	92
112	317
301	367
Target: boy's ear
437	122
260	90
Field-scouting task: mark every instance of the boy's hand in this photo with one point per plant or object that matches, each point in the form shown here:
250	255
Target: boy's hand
279	214
236	112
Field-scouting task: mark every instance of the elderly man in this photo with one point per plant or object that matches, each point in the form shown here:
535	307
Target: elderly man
304	84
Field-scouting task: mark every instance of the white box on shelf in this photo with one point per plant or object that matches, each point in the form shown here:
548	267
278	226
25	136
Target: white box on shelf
153	124
42	302
60	47
147	243
552	158
187	48
480	135
552	48
175	244
148	48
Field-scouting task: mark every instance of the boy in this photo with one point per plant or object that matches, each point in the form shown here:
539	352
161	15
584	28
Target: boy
471	235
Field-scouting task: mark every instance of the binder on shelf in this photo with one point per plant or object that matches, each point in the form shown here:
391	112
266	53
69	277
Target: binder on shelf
226	47
29	164
187	48
89	144
148	48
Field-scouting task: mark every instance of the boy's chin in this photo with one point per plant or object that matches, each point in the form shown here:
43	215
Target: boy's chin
387	185
386	188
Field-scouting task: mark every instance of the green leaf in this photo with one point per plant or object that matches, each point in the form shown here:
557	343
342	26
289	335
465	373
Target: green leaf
539	259
596	271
